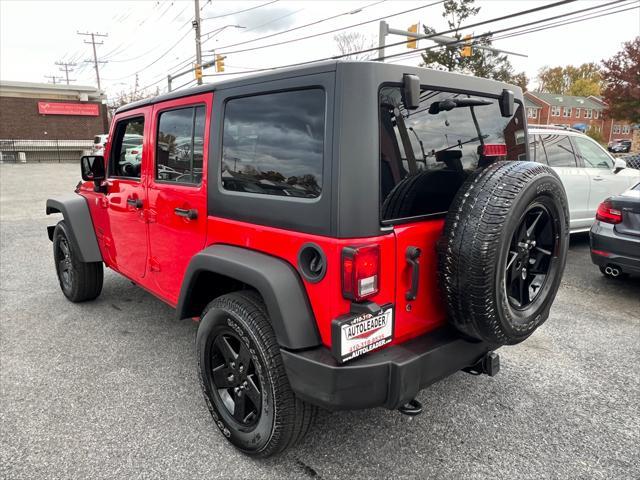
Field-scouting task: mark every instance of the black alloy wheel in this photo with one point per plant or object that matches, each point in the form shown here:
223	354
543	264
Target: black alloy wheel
533	245
64	264
235	382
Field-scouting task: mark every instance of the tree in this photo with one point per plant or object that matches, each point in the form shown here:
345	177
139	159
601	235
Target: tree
621	78
481	63
596	135
350	42
583	80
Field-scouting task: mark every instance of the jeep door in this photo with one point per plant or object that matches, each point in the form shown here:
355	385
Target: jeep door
125	235
559	154
177	190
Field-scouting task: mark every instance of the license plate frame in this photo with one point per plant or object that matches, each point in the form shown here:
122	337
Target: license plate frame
355	334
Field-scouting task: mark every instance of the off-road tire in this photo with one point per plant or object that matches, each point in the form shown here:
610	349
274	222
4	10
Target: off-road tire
79	281
477	245
284	419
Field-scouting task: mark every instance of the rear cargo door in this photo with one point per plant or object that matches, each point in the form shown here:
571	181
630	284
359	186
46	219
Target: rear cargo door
426	154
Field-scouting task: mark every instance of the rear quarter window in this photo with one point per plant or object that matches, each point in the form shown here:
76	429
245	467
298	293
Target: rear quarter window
273	144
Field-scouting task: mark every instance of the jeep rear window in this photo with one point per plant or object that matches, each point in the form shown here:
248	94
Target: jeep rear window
273	144
425	157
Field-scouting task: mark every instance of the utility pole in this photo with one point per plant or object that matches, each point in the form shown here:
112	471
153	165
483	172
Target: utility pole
93	42
64	66
196	26
54	79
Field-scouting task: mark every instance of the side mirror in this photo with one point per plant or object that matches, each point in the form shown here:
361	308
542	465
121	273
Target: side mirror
92	168
507	106
618	164
411	91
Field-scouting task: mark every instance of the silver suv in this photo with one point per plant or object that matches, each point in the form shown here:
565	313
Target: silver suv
588	172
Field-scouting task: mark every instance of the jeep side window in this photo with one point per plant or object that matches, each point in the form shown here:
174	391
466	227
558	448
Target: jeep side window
273	144
180	143
559	150
126	154
592	154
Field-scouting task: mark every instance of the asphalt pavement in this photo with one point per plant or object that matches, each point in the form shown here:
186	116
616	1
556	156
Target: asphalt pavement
108	389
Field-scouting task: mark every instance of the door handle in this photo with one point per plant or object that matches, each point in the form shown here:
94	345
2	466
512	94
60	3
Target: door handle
134	202
598	178
191	213
412	255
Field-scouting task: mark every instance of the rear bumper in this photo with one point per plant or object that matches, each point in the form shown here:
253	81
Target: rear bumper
387	378
621	250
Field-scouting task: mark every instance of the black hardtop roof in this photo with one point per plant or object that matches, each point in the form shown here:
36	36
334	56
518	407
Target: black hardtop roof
388	70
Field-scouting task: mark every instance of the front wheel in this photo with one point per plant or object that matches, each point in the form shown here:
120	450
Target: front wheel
243	378
79	281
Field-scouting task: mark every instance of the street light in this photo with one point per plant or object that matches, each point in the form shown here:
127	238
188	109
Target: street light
218	30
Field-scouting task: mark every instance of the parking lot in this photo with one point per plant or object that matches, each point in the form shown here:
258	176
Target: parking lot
108	389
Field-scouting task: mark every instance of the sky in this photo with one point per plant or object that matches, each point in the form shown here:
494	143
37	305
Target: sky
150	38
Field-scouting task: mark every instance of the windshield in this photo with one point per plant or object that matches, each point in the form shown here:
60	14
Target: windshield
436	146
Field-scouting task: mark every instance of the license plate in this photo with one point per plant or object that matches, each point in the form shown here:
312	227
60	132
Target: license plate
353	336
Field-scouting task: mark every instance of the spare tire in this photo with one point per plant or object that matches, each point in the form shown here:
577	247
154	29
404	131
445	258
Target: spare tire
503	251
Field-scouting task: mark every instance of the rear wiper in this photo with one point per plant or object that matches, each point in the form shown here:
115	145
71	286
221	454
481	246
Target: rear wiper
451	103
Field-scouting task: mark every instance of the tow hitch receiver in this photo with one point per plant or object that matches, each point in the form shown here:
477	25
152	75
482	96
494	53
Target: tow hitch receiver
411	408
489	365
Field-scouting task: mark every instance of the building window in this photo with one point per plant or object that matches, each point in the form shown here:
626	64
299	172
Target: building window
596	114
273	144
616	129
566	111
577	113
588	113
555	111
626	129
532	112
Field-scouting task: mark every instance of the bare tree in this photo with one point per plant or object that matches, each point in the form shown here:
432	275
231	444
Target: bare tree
349	43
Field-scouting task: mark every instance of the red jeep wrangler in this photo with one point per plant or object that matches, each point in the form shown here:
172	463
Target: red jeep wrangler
347	233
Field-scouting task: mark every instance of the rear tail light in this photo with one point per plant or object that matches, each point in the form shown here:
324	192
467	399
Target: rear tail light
134	152
360	272
607	214
493	150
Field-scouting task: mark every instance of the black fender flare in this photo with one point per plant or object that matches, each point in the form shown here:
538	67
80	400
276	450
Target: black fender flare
276	280
75	210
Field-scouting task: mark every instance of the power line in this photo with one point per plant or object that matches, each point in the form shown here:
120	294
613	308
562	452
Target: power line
426	37
350	12
240	11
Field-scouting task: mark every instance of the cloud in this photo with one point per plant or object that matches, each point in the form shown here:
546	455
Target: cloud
265	20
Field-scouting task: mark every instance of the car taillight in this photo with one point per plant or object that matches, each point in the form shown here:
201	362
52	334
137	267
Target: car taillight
493	150
134	152
360	270
607	214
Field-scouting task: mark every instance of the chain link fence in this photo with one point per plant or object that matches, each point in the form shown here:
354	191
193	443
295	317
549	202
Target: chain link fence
43	151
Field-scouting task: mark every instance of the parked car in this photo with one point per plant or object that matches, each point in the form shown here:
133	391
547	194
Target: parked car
588	172
615	235
346	234
620	146
99	141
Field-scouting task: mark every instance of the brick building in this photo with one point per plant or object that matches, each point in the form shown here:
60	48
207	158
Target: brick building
577	112
37	119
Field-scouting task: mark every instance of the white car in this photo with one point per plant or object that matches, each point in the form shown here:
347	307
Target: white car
588	172
99	141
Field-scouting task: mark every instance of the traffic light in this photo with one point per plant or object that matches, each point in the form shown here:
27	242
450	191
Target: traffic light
466	50
220	63
412	42
198	71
